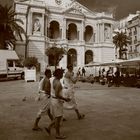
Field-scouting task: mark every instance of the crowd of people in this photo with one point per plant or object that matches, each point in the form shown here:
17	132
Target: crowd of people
117	78
58	93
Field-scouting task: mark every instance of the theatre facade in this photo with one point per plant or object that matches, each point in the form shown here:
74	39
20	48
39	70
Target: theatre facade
85	35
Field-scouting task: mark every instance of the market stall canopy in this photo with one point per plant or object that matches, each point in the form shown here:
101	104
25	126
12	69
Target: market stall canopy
133	61
91	64
112	63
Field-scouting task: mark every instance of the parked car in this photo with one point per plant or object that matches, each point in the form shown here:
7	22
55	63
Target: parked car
10	66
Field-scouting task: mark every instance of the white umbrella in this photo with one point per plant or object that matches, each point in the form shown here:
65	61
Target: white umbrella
93	67
133	61
91	64
112	63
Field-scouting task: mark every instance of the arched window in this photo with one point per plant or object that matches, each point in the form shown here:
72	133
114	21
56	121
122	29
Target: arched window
72	57
54	31
88	56
72	32
88	35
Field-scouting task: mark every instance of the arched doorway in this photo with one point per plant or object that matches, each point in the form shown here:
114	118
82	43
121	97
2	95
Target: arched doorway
88	56
72	57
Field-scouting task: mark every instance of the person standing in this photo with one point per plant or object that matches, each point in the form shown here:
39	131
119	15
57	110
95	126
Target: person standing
117	77
78	72
109	77
45	108
68	89
57	101
83	71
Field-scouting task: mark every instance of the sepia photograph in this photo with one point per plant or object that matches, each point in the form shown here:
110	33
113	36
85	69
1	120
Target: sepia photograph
69	69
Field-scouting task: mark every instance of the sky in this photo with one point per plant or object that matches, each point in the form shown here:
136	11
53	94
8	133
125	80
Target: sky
120	8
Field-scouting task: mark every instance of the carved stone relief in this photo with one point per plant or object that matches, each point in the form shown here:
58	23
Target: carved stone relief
107	31
36	26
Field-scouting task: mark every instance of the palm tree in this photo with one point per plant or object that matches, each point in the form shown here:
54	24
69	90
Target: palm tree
55	54
9	27
121	40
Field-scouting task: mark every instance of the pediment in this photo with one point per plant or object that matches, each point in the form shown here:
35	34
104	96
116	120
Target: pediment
23	1
74	11
77	8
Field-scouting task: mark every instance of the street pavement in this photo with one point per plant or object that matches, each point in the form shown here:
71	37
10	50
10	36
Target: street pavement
111	113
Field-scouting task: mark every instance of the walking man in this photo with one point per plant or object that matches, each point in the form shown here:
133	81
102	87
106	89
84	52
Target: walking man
69	92
57	101
45	108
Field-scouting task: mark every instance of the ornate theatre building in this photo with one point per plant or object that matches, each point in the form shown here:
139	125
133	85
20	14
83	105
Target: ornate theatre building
85	35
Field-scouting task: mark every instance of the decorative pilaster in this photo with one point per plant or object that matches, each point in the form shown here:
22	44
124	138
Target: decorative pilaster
111	33
46	26
98	33
42	24
81	56
64	29
82	31
30	23
103	38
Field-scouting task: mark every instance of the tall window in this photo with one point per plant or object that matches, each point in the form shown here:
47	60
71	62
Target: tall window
54	31
72	33
72	57
88	35
88	56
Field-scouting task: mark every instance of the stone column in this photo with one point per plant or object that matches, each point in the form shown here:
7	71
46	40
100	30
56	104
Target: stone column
81	56
98	33
60	32
42	24
64	28
81	35
103	34
46	26
111	33
30	23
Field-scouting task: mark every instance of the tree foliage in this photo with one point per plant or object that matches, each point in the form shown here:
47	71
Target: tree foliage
121	40
56	52
9	27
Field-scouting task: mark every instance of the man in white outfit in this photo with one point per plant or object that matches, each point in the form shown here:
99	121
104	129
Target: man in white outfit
45	108
69	92
57	101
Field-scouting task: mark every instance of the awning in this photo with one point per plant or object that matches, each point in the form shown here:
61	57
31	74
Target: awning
112	63
8	54
133	61
91	64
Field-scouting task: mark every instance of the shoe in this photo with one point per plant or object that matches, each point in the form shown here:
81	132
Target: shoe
81	117
36	129
48	130
61	137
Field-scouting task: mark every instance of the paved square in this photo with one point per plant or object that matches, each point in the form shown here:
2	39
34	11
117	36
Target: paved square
111	113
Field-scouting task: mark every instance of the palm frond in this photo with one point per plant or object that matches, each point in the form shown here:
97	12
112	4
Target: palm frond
9	25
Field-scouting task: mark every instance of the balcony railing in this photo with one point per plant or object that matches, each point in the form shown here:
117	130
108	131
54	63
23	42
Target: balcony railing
55	40
89	43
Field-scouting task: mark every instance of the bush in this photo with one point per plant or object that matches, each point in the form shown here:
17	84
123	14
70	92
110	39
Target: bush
30	62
